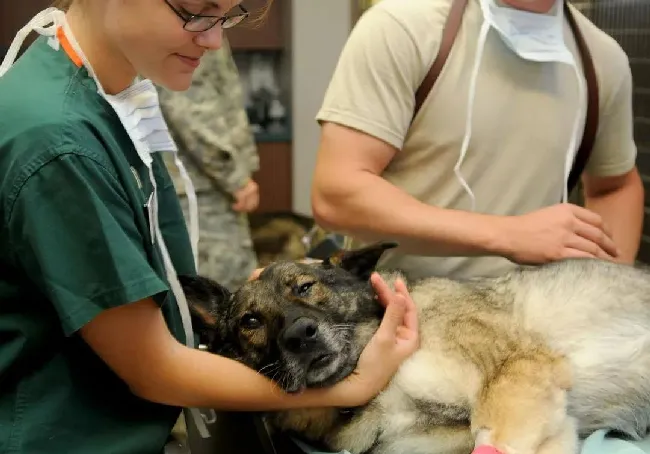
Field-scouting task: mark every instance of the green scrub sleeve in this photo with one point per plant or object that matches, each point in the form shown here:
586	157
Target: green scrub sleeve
73	232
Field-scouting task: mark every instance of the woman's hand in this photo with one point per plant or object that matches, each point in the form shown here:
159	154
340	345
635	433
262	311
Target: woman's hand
396	339
247	198
255	274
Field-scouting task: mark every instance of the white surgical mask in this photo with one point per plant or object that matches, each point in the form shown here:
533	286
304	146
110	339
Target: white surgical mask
534	37
139	112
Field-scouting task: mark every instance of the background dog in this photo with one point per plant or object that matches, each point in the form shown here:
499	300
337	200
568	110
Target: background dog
525	362
283	236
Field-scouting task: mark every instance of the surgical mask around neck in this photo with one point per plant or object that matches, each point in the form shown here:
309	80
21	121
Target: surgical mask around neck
533	37
138	109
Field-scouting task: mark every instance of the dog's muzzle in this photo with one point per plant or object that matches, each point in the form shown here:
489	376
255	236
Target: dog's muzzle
303	340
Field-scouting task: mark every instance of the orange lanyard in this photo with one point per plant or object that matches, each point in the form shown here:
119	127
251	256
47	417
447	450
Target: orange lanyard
67	47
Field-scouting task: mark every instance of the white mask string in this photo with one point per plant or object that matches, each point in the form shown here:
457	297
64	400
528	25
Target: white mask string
470	111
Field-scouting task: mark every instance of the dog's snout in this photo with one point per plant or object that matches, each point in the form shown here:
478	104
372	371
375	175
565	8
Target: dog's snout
301	335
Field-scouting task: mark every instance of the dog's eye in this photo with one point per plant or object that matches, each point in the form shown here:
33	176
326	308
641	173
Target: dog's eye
250	321
302	289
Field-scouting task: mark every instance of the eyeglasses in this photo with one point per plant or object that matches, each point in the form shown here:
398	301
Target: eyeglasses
200	23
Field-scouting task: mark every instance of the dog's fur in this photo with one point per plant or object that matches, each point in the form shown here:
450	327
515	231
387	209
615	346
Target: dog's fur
526	362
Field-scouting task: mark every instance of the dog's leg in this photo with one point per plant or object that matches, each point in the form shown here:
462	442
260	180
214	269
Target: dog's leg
522	396
565	441
522	407
431	440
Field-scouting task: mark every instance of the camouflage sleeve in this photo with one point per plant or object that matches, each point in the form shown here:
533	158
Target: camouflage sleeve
209	122
243	137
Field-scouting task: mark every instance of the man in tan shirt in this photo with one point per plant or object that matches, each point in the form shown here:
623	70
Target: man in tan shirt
380	177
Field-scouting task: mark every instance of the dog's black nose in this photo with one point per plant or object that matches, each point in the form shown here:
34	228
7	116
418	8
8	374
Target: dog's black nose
301	336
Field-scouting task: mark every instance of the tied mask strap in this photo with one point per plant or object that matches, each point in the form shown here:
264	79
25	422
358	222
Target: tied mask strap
39	24
193	207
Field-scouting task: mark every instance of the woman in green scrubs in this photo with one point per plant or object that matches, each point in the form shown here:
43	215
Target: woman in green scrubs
93	355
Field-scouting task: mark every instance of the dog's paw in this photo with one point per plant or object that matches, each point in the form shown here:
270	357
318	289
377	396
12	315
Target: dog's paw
563	441
524	405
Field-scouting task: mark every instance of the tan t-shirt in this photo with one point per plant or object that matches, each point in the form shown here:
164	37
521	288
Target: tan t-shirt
523	116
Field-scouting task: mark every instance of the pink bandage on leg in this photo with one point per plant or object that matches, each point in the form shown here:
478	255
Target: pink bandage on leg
486	449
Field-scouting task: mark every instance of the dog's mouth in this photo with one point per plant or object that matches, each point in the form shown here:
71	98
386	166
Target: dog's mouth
322	361
324	368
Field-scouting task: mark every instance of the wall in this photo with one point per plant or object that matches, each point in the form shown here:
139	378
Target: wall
319	31
628	22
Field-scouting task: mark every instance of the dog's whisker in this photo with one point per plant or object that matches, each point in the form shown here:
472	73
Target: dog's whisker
345	332
268	366
275	374
343	327
273	370
283	379
274	381
277	378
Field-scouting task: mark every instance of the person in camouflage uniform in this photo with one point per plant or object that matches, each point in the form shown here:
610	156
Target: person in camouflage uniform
216	144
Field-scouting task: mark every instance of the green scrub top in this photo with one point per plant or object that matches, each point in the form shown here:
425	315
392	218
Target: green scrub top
74	241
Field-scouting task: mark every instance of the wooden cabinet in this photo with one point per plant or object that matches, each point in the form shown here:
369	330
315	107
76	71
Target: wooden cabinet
265	29
267	32
275	177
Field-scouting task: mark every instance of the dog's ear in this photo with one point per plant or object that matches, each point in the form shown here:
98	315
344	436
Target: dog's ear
360	262
208	302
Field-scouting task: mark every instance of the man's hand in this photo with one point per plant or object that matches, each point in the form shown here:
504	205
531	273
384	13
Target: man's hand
247	198
557	232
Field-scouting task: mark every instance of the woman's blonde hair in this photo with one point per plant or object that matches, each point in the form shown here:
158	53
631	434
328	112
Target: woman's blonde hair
261	13
62	4
65	5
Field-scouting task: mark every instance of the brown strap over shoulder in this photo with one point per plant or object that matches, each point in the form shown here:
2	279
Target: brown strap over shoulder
591	122
452	25
450	31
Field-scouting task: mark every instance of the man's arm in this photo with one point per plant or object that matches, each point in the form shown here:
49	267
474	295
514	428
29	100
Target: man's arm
368	207
350	196
612	186
619	201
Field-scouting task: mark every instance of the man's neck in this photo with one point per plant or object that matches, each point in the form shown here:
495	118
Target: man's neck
114	72
533	6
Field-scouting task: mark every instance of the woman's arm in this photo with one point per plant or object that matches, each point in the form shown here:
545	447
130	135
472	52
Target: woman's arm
135	342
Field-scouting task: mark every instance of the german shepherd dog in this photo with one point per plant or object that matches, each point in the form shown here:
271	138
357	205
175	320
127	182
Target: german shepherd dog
528	362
